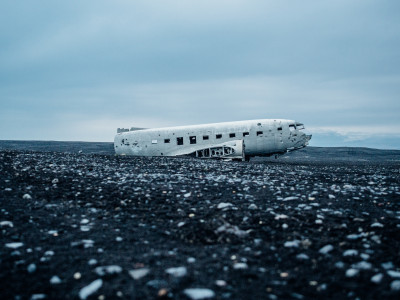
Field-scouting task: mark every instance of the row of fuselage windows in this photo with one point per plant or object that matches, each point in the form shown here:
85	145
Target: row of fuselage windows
193	139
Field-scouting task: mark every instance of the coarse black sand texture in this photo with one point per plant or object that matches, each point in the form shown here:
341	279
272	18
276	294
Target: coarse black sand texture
90	226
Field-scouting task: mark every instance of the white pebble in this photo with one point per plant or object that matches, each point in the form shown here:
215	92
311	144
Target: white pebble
350	252
85	228
220	283
302	256
240	266
6	223
339	265
377	278
294	243
14	245
252	206
177	272
279	217
393	274
395	285
364	256
55	280
139	273
38	297
191	260
290	198
223	205
90	289
92	262
103	270
362	265
377	225
326	249
31	268
387	265
351	272
118	239
27	197
199	293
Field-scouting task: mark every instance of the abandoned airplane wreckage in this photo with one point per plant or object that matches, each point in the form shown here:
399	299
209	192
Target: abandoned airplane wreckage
229	140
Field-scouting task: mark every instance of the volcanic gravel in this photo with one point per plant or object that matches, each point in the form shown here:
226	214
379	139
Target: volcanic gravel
103	227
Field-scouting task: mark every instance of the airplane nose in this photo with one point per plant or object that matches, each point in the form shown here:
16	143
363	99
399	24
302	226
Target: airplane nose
307	139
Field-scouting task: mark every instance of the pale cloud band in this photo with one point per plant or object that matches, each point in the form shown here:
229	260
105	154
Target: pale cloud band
78	70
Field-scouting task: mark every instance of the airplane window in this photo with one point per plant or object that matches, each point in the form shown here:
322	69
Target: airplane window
246	134
232	135
179	141
292	127
259	133
166	141
218	136
279	128
205	137
192	139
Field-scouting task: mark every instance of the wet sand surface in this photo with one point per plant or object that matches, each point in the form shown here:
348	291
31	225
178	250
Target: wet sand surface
90	226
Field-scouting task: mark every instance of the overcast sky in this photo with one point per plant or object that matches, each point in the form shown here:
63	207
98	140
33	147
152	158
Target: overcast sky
77	70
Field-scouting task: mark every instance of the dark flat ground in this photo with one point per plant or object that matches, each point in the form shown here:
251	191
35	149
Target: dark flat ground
282	229
308	154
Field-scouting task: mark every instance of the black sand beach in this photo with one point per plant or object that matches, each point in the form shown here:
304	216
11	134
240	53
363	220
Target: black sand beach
86	225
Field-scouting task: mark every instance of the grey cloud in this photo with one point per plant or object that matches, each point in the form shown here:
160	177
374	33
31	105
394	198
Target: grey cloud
324	63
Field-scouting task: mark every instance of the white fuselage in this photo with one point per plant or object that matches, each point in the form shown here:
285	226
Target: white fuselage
259	138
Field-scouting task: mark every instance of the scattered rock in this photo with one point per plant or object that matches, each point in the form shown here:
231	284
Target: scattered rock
6	223
290	198
395	285
290	244
350	252
393	274
231	229
31	268
240	266
326	249
55	280
199	293
90	289
139	273
38	296
352	272
253	206
108	270
362	265
302	256
377	278
177	272
14	245
224	205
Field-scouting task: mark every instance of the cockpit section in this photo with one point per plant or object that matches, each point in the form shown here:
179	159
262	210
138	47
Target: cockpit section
298	139
296	126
